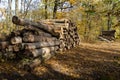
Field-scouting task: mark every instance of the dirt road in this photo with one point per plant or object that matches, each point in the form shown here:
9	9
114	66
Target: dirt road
89	61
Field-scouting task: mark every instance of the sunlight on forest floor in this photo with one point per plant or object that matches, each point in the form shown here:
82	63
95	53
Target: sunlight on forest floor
97	61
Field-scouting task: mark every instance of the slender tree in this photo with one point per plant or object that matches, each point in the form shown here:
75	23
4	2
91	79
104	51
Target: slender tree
56	3
16	7
46	5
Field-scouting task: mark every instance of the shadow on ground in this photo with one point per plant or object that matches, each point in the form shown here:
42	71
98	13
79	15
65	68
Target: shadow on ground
80	63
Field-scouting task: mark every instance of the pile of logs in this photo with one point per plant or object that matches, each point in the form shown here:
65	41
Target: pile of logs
107	35
40	40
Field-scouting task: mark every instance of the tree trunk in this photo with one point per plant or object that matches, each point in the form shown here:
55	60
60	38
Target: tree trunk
55	8
16	7
9	14
26	10
109	21
46	15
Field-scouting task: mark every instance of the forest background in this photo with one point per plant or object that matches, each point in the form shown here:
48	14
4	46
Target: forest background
90	16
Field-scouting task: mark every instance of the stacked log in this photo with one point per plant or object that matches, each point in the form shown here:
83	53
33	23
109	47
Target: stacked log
40	40
107	35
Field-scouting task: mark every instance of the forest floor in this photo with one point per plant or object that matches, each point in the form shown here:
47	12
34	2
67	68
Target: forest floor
89	61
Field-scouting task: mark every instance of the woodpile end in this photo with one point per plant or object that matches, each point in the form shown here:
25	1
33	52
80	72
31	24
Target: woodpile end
40	40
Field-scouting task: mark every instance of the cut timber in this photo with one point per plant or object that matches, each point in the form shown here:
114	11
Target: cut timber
9	48
39	41
40	52
13	48
34	38
29	46
16	40
42	26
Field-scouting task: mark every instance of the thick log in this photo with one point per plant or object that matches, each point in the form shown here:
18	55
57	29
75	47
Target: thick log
40	52
42	26
29	46
34	38
17	47
13	48
9	48
16	40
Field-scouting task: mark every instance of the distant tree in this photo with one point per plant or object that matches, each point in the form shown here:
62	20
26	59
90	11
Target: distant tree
56	3
16	7
46	5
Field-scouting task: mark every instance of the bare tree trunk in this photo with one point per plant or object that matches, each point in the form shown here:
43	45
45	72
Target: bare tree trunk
9	13
16	10
109	21
16	7
46	15
55	8
10	8
26	10
22	2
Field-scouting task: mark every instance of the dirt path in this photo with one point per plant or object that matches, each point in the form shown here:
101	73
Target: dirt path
99	61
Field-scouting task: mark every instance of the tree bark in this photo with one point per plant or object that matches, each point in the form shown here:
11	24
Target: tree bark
41	26
109	21
46	15
16	40
16	7
40	52
29	46
55	8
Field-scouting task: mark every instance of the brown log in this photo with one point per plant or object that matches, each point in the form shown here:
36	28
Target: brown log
9	48
40	52
29	46
34	38
17	47
42	26
62	45
16	40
